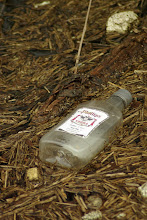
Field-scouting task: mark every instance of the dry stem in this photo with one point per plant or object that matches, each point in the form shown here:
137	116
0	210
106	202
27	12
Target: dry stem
82	38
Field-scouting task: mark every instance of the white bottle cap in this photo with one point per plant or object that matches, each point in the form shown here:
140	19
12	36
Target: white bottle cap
125	95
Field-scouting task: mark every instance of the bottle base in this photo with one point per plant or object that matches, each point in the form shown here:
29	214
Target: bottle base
55	154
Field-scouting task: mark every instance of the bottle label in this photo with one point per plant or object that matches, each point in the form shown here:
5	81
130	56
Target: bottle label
83	121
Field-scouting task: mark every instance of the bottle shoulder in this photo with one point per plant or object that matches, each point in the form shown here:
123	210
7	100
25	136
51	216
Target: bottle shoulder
102	105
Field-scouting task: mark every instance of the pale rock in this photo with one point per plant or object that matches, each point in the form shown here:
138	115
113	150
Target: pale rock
121	22
32	174
94	201
92	215
143	191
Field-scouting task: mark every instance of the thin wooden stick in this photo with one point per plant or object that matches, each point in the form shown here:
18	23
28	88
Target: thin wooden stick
82	38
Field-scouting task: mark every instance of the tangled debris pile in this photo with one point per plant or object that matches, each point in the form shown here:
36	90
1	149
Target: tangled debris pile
37	88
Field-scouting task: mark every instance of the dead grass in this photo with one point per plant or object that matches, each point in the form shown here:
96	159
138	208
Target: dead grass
37	88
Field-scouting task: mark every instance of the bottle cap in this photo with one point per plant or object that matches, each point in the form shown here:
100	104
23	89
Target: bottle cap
125	95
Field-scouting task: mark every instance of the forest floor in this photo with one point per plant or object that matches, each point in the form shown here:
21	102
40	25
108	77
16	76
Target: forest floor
38	87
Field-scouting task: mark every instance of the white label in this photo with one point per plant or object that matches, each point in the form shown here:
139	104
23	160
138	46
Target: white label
83	121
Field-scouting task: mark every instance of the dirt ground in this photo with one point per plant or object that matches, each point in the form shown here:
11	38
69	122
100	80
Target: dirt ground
38	87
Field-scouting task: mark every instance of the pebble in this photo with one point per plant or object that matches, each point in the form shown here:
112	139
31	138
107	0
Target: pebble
32	174
143	191
94	201
92	215
121	22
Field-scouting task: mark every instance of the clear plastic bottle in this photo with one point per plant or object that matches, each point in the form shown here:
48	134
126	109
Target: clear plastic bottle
84	132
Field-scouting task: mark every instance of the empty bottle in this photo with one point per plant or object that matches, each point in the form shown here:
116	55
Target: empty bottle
84	132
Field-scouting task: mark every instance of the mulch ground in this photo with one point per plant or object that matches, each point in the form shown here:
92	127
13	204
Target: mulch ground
38	87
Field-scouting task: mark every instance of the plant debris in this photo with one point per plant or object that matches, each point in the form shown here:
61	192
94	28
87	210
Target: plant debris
38	88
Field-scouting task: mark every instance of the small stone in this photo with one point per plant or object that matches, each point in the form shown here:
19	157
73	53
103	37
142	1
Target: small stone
143	191
92	215
121	22
94	201
32	174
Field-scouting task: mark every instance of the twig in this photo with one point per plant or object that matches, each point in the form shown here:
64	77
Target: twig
2	8
82	38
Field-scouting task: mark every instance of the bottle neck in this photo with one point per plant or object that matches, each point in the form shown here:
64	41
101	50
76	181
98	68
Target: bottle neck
117	102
